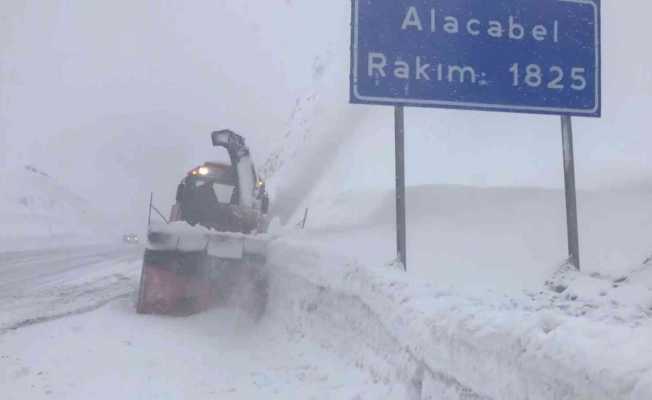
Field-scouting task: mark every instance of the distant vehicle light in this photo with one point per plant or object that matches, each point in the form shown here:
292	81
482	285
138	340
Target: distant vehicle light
130	238
259	183
203	171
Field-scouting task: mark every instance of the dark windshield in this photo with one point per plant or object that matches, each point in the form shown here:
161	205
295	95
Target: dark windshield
210	190
206	200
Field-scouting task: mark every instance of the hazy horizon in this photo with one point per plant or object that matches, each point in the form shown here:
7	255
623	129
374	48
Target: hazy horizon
92	93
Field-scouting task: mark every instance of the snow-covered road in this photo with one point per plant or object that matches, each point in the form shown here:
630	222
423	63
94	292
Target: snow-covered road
45	284
68	330
25	271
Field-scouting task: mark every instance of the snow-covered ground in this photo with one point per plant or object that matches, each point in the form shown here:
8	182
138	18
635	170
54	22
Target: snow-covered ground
115	353
537	345
69	330
487	307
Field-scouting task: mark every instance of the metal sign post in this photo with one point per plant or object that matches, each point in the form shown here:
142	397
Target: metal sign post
571	198
399	136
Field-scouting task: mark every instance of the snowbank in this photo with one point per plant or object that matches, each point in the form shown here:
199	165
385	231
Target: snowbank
442	344
485	309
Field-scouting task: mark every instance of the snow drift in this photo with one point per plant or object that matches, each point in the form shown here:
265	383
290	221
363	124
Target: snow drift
488	308
444	345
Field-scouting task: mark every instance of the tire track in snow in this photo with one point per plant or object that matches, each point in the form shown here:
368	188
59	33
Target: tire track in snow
48	318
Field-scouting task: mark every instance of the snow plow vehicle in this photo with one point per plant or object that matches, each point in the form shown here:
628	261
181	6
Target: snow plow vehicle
212	249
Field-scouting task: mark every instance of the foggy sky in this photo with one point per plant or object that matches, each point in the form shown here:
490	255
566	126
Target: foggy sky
117	99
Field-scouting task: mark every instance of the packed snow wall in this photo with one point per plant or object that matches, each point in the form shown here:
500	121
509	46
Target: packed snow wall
438	344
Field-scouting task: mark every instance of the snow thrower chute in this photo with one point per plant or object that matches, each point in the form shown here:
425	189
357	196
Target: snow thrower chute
212	249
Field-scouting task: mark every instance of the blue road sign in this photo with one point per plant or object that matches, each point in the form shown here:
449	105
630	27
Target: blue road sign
534	56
